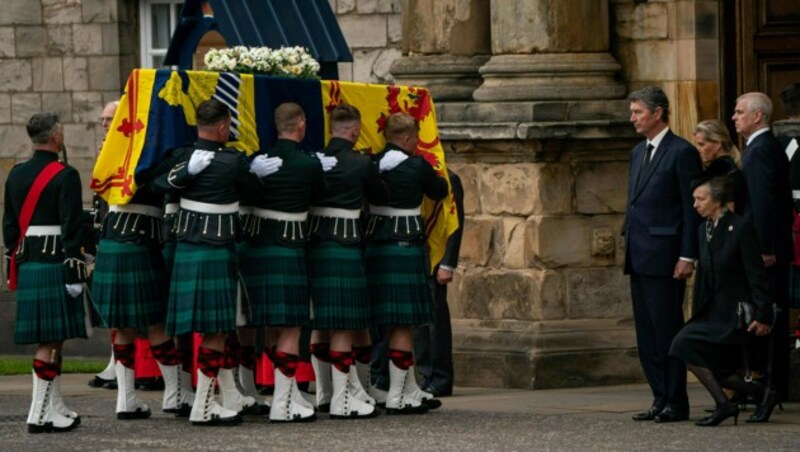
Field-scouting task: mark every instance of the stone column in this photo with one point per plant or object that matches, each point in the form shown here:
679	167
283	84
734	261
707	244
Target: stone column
549	50
445	42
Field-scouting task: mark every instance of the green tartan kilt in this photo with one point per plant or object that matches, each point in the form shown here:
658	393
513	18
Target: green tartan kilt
45	312
203	289
168	251
277	285
339	295
130	285
397	279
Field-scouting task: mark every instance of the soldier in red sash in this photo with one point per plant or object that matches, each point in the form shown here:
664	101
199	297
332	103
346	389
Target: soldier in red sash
42	233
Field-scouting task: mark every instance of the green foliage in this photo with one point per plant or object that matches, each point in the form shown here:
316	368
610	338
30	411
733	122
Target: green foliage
20	365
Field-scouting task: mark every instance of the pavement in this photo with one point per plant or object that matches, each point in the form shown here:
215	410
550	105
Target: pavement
485	419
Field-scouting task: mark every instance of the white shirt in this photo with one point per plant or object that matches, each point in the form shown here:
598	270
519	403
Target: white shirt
656	141
755	134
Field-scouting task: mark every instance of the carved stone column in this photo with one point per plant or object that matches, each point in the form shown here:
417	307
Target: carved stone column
445	42
549	50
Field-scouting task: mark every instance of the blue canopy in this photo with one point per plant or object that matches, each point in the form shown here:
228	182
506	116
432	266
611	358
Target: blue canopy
255	23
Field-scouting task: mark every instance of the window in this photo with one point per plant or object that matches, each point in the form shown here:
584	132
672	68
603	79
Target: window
158	19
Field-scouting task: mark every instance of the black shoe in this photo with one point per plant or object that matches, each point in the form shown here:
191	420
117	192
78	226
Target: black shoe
439	393
150	384
408	409
670	414
648	415
765	409
131	415
719	415
217	421
98	382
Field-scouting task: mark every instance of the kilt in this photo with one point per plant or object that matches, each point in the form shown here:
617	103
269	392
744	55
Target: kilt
277	285
338	287
130	285
45	312
169	255
203	289
794	287
397	279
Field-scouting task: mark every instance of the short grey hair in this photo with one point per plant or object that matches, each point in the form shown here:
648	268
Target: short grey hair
757	101
41	126
653	97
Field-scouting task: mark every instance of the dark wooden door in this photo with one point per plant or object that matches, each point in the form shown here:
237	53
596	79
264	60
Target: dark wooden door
760	48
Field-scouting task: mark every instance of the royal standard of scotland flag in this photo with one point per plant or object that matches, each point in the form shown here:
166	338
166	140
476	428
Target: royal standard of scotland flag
157	113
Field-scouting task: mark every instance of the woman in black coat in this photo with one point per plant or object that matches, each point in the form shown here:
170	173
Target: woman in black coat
730	270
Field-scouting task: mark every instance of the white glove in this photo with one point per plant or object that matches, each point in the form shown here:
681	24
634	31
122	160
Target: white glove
199	161
263	166
327	162
390	161
74	290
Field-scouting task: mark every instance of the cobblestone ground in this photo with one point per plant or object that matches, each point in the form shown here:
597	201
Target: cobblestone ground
474	419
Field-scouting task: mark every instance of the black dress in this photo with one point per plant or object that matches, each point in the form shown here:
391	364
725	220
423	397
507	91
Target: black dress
726	165
730	270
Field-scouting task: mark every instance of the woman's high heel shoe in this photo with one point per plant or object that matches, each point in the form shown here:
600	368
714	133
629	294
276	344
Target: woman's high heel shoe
764	410
719	415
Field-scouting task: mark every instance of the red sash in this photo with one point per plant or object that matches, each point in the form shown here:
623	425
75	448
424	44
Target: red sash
26	213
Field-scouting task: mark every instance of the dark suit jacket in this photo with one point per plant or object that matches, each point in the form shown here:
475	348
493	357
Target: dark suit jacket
453	246
660	222
769	206
730	270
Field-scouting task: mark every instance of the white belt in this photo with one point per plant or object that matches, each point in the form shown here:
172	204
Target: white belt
141	209
333	212
245	210
392	212
795	194
204	207
39	231
278	215
171	208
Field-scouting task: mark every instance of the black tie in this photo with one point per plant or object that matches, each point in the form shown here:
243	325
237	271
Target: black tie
648	155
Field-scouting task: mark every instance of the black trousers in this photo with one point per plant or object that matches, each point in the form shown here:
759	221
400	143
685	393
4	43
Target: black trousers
433	345
658	313
759	356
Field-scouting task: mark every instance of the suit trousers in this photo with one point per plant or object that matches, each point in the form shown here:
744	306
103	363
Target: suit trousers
433	345
658	313
759	348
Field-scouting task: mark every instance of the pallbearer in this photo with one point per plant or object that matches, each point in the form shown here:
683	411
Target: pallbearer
205	275
42	233
338	282
397	272
273	260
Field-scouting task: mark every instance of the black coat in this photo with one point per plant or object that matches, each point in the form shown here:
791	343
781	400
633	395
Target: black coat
730	270
769	207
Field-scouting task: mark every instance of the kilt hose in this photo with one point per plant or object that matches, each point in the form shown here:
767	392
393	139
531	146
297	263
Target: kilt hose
339	295
45	312
277	284
397	279
130	285
203	289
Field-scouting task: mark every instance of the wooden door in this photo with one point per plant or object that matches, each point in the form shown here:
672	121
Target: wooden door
761	49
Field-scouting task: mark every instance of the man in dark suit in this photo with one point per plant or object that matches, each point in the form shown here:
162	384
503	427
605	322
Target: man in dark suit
433	343
769	209
661	248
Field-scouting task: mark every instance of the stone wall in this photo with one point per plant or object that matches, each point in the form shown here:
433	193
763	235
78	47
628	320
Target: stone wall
673	44
63	56
373	31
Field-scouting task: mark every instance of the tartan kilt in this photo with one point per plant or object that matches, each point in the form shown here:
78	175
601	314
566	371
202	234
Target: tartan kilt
45	312
339	295
397	279
168	251
129	285
794	287
203	289
277	284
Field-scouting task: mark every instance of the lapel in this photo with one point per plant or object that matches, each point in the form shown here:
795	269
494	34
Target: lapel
663	149
720	233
